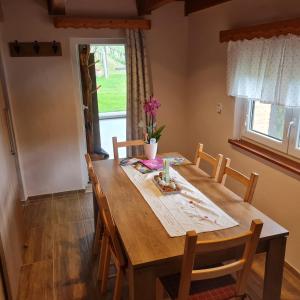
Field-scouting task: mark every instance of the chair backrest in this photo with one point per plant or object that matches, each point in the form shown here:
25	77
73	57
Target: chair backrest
117	145
91	172
249	239
215	163
88	160
248	182
109	226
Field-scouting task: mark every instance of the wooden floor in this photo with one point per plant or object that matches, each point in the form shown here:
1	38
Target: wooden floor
58	263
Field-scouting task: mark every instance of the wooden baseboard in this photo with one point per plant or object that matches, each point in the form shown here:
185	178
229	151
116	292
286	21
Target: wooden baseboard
293	270
60	194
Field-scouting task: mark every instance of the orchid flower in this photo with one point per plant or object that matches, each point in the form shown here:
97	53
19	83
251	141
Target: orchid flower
151	107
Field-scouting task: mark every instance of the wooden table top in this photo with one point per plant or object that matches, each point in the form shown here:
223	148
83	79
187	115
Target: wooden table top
144	238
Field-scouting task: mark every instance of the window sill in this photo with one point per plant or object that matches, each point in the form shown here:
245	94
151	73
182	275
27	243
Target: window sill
279	160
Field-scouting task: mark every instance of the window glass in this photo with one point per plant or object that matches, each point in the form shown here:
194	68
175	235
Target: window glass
267	119
111	75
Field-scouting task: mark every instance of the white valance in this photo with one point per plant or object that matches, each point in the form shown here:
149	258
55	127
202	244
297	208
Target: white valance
267	70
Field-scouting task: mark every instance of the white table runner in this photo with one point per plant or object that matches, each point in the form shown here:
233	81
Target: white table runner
179	213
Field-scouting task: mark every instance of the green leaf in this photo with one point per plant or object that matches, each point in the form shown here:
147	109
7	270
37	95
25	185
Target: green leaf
157	133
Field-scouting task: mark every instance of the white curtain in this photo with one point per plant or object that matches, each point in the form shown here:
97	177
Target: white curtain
266	70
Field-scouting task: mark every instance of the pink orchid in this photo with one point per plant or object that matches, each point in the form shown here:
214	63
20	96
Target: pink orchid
151	107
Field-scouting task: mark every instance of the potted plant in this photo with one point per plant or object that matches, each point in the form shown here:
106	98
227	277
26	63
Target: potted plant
153	133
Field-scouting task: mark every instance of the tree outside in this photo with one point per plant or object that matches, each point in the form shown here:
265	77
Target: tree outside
111	75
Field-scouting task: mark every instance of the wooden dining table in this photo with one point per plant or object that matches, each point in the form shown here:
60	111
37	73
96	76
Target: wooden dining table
152	253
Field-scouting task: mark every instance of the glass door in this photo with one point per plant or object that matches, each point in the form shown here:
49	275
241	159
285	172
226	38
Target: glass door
111	80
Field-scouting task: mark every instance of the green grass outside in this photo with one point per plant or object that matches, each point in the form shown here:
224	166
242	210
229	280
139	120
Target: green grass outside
112	94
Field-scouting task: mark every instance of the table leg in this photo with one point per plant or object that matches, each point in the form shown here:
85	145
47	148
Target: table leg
142	281
96	209
141	284
274	269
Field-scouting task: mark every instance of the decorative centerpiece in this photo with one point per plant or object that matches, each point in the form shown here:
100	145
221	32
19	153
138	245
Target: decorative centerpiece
166	187
153	133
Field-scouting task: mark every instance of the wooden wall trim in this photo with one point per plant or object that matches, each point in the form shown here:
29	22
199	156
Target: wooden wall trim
195	5
59	194
96	23
268	30
294	271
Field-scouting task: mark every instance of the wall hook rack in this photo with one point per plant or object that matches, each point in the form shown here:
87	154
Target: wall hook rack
16	47
35	49
54	47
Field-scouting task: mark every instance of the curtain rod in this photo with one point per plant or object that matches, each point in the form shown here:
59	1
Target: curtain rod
267	30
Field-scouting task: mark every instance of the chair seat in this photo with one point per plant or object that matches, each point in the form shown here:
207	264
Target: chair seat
222	288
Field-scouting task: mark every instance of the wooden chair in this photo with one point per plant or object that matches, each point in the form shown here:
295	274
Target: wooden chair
117	145
98	224
215	282
110	248
248	182
90	168
215	163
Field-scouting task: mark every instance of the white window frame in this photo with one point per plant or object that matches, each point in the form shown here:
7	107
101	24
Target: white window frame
294	135
288	145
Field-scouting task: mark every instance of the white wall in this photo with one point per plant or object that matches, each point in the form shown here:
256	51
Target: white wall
278	192
167	45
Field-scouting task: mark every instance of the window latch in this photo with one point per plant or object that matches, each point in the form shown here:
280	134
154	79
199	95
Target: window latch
291	124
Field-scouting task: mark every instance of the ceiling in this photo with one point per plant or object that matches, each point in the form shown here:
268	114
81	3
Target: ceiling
124	8
147	6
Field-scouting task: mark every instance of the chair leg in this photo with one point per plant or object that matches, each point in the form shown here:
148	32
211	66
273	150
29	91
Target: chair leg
159	290
97	239
103	250
106	265
118	284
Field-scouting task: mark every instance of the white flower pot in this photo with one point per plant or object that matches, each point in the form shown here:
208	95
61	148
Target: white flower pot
150	150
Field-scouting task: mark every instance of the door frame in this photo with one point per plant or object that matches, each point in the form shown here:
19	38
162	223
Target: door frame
11	129
74	52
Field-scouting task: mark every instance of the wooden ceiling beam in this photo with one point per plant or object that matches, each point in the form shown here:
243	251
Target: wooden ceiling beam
145	7
96	23
196	5
56	7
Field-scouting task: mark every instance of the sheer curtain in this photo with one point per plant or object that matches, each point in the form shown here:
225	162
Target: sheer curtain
138	85
267	70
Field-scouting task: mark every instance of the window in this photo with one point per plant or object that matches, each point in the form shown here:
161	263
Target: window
264	76
274	126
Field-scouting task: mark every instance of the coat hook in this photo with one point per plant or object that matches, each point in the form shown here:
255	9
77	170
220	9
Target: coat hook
54	46
36	47
17	47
